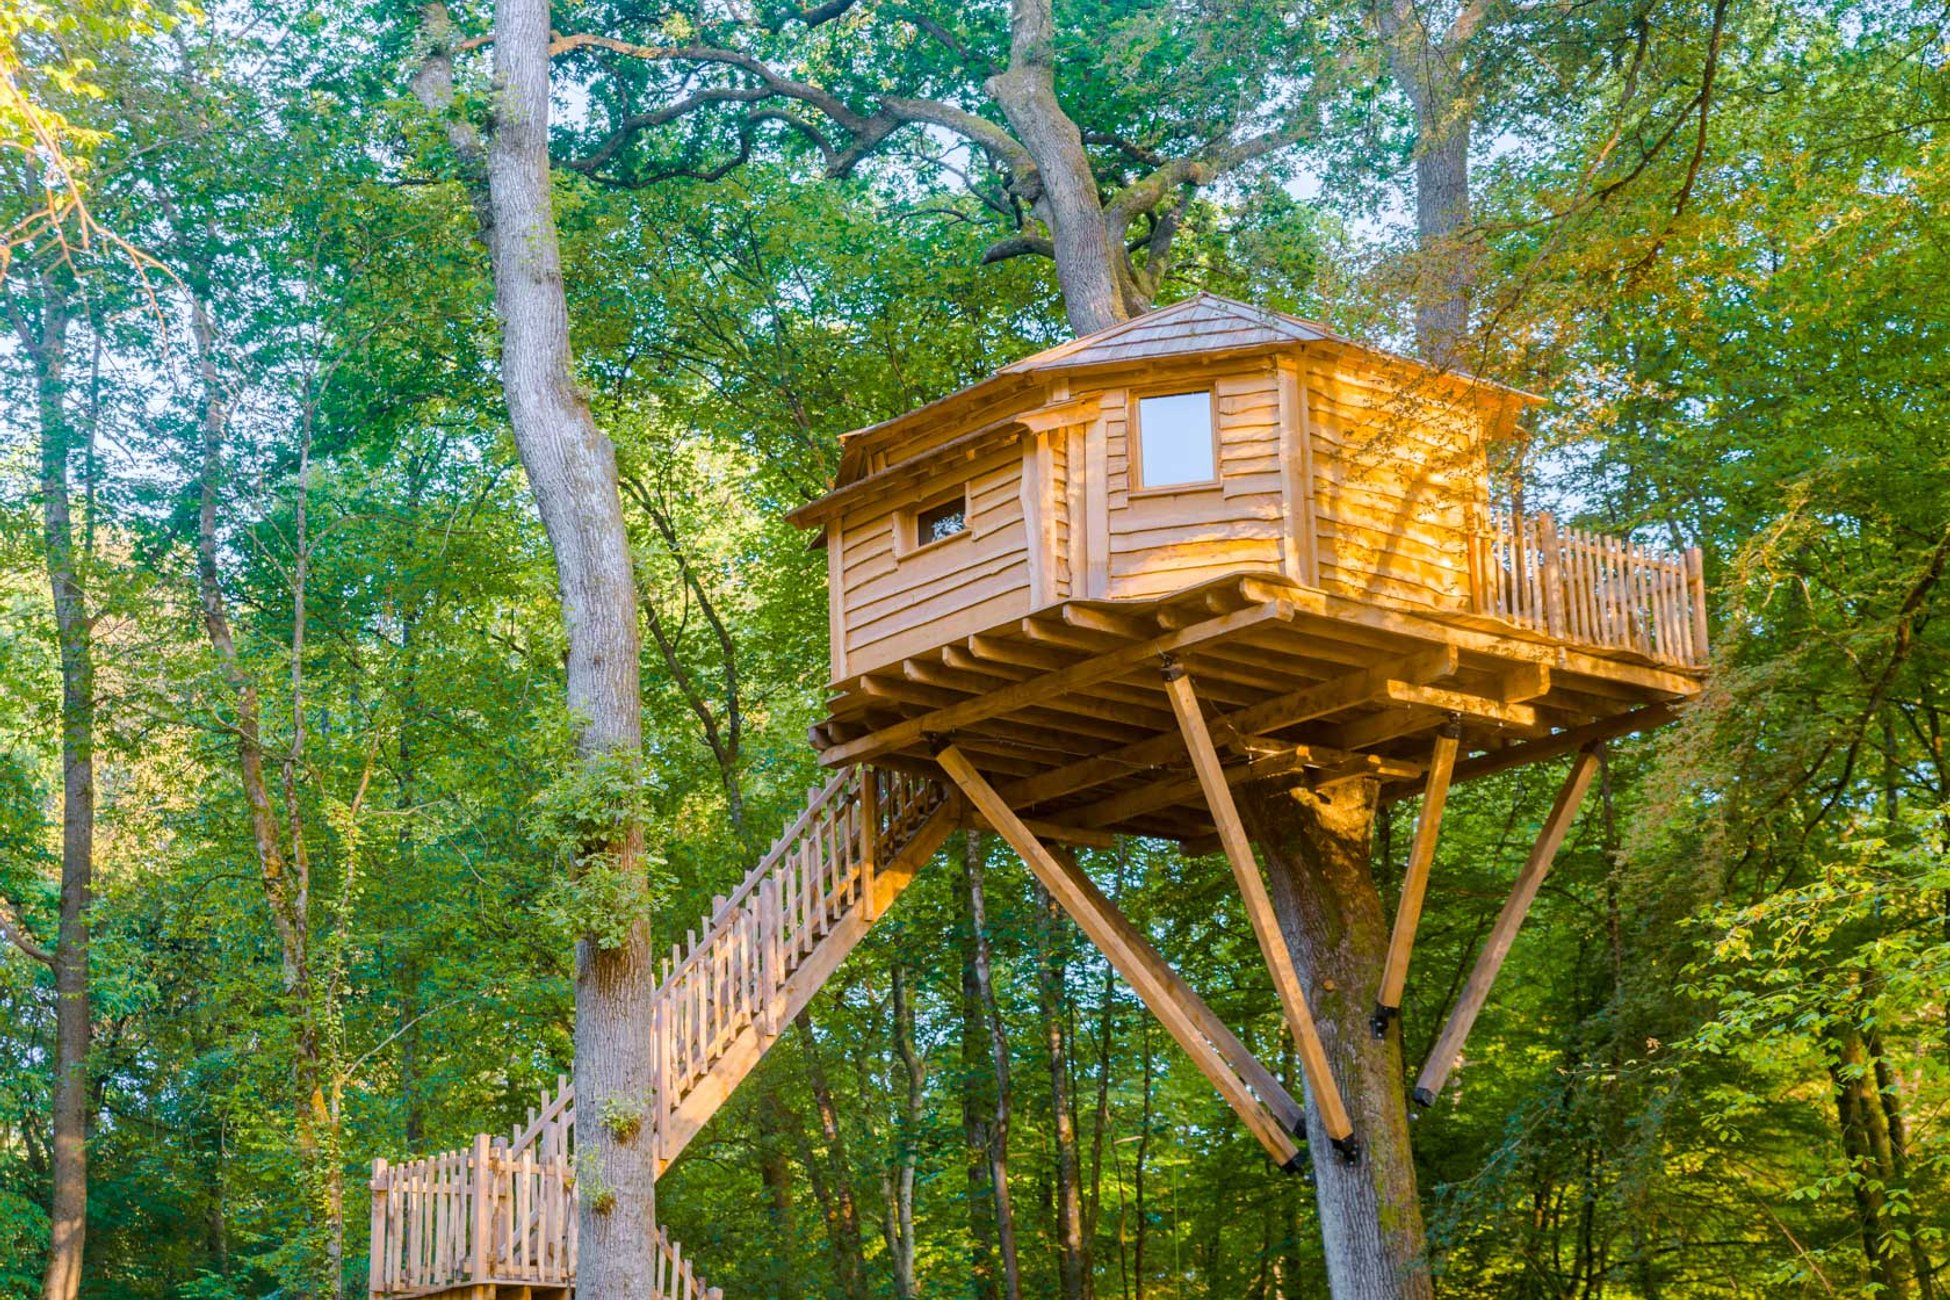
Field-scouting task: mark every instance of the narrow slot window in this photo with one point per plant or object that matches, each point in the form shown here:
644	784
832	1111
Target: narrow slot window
940	522
1175	445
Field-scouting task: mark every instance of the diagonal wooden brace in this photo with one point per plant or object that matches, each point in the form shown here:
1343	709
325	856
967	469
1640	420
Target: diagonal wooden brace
1415	881
1259	911
1272	1116
1477	991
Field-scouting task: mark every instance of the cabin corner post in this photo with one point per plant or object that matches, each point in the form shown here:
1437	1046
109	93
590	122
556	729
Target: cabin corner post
1259	910
1168	1000
1415	878
1476	992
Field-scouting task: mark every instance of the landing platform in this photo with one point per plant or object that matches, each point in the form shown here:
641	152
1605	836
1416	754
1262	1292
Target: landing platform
1065	711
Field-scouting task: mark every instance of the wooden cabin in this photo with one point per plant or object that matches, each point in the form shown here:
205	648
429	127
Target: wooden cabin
1213	453
1206	439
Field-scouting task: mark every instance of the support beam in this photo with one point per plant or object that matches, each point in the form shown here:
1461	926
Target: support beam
1477	991
1166	999
1415	880
1259	911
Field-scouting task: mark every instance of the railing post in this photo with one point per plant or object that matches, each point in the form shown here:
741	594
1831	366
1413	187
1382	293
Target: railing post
1552	573
482	1226
376	1265
1696	597
869	837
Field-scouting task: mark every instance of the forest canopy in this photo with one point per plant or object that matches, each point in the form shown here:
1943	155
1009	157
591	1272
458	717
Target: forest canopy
301	820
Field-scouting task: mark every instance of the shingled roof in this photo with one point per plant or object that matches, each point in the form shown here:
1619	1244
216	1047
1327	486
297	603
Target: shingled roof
1205	322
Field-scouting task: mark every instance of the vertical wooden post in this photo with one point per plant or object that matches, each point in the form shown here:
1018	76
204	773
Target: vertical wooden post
1696	597
1477	991
1415	880
1552	573
869	837
482	1216
1079	897
1259	911
381	1240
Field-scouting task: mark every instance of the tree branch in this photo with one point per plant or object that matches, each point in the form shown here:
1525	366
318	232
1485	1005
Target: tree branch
13	928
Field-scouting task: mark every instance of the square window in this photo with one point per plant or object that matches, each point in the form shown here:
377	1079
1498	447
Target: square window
940	522
1175	440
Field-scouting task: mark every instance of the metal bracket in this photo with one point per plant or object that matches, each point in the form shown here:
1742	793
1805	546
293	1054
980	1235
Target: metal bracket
1378	1022
1349	1148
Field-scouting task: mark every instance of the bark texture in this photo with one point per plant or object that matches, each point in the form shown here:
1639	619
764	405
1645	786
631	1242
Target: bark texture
1316	845
998	1128
572	468
1429	67
1063	192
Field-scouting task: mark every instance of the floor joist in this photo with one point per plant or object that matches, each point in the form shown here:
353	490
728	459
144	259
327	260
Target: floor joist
1477	991
1268	1112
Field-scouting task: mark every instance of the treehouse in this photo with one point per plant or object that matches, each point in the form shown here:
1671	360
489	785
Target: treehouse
1089	596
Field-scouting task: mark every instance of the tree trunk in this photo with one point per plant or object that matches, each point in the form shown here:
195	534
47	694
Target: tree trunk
914	1114
998	1146
1051	986
977	1083
1064	194
1865	1143
1429	69
842	1207
1317	845
775	1172
46	345
572	469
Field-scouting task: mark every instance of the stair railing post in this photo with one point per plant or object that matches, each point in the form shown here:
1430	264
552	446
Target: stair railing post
376	1266
482	1216
869	837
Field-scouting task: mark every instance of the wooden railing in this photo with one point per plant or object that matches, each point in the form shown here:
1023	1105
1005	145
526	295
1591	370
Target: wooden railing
733	976
504	1211
1590	589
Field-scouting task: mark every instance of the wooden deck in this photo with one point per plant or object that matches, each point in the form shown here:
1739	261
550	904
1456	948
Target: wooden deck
1067	713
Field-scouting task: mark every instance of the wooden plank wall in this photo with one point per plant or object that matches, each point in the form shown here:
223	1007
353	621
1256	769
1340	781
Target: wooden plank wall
1164	542
896	606
1398	477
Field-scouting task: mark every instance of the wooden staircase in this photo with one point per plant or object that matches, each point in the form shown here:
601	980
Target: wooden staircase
500	1217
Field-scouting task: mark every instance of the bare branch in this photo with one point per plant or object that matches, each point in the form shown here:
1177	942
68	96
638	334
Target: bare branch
12	927
1018	246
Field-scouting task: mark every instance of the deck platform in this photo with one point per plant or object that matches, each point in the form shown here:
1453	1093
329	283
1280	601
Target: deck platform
1066	710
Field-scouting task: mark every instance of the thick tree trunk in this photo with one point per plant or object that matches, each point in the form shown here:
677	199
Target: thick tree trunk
1316	845
1449	264
998	1133
1053	972
1429	69
1088	263
572	469
68	1213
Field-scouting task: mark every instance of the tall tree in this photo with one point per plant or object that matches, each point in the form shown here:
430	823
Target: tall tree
42	314
571	468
